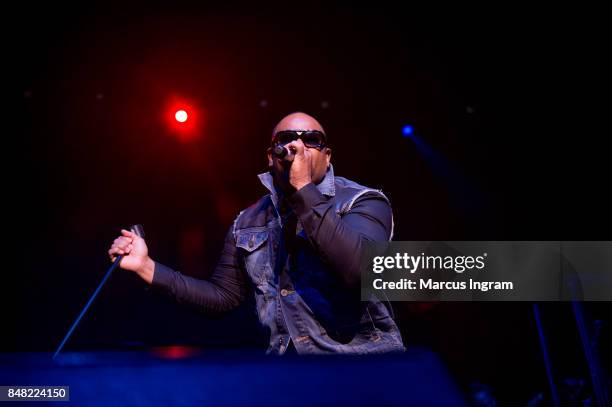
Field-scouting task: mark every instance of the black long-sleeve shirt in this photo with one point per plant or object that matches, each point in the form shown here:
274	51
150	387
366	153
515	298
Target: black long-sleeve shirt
337	239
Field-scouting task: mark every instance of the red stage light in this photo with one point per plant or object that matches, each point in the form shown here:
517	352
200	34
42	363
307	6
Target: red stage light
175	351
181	116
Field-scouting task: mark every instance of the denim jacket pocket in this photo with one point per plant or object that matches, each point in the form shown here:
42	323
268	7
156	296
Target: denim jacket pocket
251	239
256	256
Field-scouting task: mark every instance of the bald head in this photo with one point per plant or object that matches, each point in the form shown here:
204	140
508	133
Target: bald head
298	121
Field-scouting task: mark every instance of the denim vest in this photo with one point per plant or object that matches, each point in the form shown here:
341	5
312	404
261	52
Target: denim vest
316	312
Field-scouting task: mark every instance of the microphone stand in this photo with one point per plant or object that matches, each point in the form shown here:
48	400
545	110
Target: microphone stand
136	229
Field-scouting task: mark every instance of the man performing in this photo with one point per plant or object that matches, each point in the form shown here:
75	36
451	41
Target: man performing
297	250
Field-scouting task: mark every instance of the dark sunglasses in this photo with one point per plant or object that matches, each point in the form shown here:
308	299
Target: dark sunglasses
310	138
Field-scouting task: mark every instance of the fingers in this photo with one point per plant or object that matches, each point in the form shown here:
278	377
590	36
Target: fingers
121	246
127	233
124	249
124	239
122	242
115	251
296	147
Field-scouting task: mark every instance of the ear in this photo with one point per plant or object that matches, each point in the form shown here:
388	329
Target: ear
328	152
269	152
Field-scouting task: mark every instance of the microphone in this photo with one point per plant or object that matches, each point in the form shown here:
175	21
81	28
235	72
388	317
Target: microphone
283	153
280	152
138	230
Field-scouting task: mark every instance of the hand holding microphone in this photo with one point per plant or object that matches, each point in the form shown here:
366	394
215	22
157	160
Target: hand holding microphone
300	170
134	253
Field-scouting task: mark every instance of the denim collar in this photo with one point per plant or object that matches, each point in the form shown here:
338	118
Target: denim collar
326	186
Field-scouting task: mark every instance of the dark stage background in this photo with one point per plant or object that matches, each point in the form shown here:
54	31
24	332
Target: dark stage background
500	151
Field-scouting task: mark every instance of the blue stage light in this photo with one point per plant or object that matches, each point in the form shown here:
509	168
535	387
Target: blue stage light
407	130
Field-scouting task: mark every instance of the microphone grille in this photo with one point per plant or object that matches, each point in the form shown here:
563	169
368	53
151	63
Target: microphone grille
280	151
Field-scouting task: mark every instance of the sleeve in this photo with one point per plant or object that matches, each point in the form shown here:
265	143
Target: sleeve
338	240
223	291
